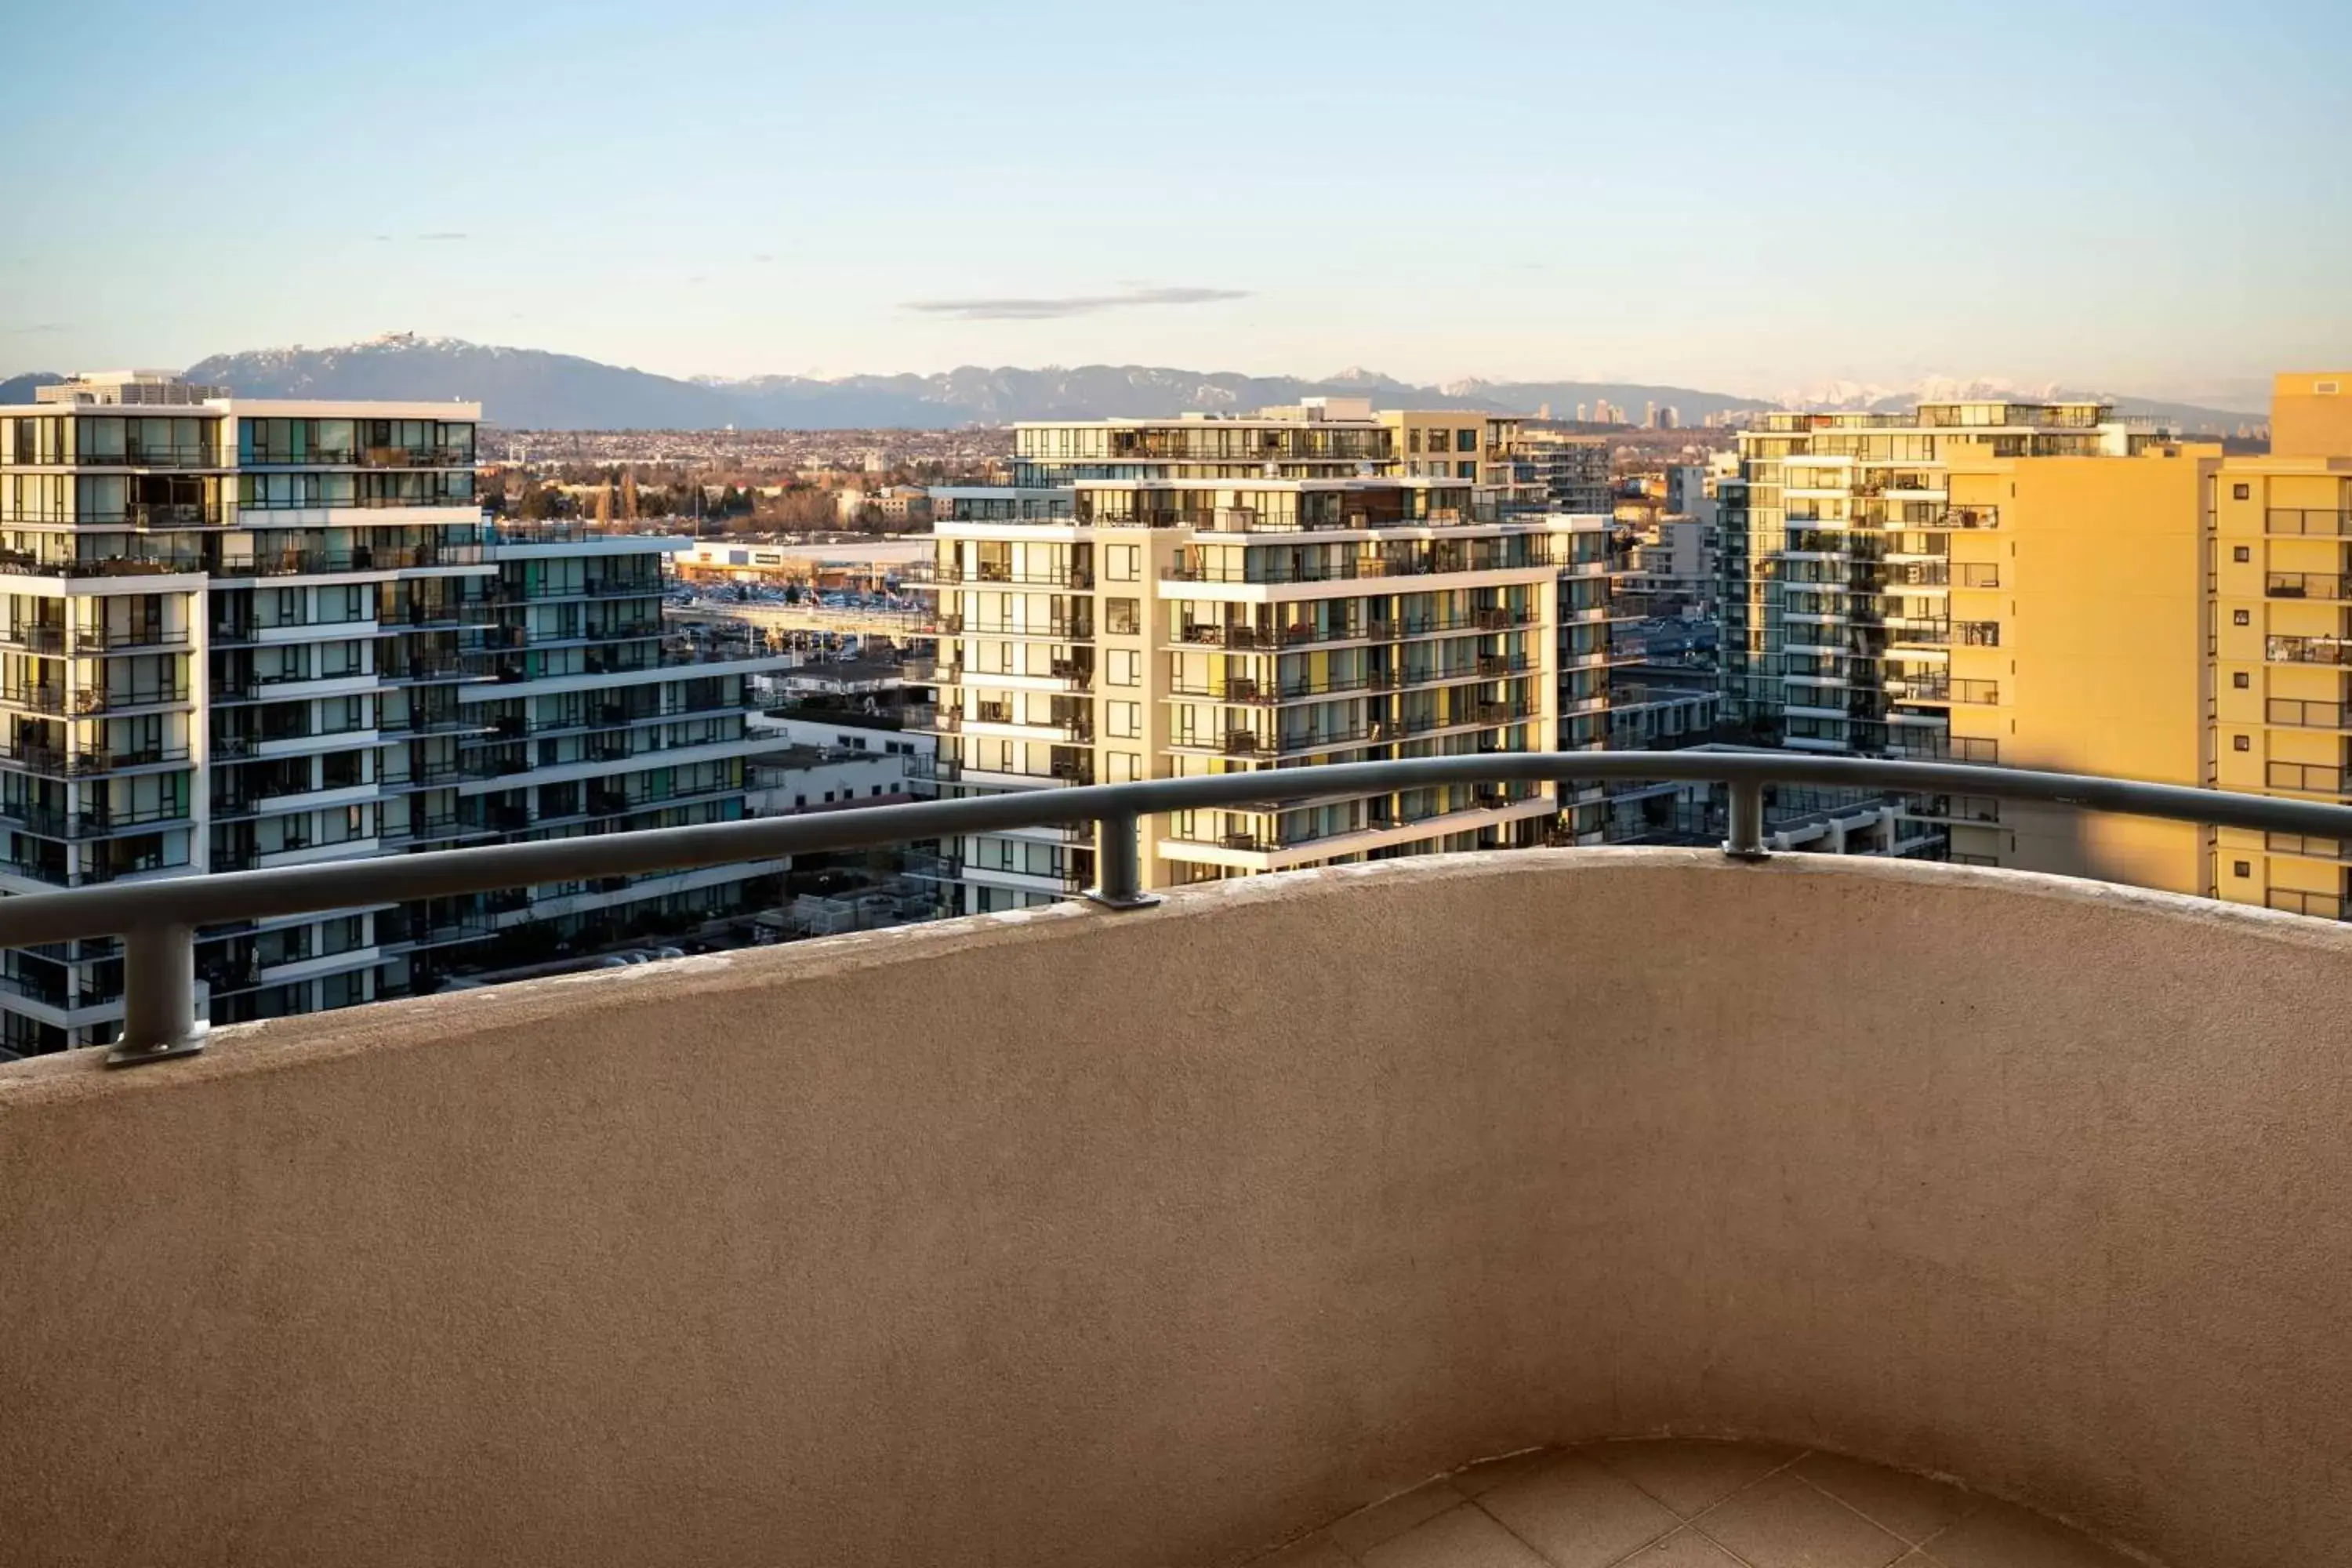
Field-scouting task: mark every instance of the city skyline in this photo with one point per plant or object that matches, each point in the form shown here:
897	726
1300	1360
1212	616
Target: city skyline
1737	204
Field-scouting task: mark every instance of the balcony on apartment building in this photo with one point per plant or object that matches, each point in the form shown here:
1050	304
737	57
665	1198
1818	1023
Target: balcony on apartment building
1302	1192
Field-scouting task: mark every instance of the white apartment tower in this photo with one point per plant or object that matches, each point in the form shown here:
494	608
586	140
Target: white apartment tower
242	632
1172	598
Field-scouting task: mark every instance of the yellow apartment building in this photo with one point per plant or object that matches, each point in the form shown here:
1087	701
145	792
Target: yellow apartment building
2077	607
2281	640
2045	586
2311	414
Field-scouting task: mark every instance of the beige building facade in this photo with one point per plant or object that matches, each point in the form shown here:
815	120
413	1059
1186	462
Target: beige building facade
1202	596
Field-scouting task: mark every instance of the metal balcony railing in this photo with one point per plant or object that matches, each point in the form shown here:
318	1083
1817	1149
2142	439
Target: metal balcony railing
2307	715
2306	585
157	922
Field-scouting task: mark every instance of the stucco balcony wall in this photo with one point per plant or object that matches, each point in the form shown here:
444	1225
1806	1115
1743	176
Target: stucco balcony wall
1155	1239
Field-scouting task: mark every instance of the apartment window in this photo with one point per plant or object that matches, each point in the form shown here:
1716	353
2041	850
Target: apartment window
2240	618
2242	743
1125	666
1125	766
1465	470
2241	680
1466	440
2242	493
2243	867
1124	721
2241	553
1413	442
338	658
1123	563
1122	617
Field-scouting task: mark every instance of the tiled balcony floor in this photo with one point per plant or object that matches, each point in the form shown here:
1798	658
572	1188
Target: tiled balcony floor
1677	1503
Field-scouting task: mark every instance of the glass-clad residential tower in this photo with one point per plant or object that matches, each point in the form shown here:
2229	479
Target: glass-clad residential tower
246	633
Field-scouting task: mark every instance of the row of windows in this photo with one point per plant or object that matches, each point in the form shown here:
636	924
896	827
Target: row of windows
192	440
421	488
354	441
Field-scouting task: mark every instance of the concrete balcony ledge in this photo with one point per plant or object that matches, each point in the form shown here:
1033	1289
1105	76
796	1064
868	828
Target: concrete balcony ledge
1163	1238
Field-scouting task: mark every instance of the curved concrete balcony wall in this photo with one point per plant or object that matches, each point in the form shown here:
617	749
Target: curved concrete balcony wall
1098	1239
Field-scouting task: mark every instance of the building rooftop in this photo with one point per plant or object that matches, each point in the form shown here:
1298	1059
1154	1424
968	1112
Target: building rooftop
127	386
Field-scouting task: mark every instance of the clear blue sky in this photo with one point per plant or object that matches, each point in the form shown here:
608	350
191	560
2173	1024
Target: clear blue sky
2151	197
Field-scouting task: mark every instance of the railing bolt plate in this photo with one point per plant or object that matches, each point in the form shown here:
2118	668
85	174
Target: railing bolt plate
137	1055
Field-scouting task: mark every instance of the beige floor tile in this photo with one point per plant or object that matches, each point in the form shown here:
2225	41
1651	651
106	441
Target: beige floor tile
1464	1538
2000	1536
1359	1531
1686	1548
1315	1552
1688	1474
1912	1506
1577	1514
1786	1523
1488	1474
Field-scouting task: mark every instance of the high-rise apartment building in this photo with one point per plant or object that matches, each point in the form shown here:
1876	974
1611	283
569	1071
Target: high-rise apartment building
1871	566
1208	596
1564	472
2311	414
1847	565
243	633
2045	586
2280	619
1450	445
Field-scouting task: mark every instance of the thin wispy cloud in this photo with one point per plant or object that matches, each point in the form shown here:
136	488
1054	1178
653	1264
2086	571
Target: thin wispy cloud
37	326
446	234
1049	307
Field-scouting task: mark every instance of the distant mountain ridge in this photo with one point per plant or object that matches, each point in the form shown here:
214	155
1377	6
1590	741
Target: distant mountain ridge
1876	399
19	388
534	389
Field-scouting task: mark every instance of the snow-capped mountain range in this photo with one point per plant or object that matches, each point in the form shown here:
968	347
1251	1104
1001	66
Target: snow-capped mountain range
534	389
